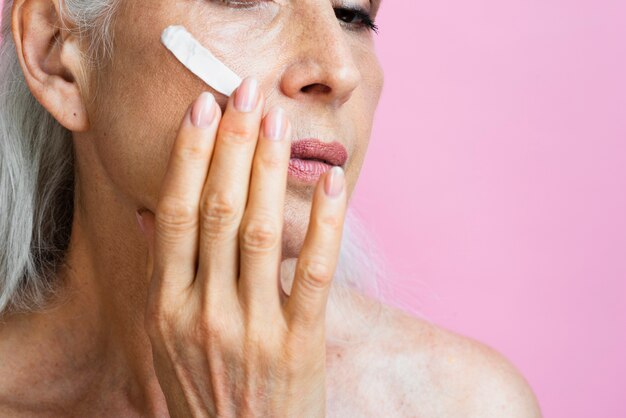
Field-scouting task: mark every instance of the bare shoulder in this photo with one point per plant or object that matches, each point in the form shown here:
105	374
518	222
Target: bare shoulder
463	376
418	369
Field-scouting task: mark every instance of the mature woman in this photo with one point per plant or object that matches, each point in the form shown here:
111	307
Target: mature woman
168	250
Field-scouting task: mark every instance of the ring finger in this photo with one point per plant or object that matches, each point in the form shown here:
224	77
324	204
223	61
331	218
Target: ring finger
260	237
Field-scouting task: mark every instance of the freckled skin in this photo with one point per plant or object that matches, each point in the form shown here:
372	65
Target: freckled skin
88	355
289	47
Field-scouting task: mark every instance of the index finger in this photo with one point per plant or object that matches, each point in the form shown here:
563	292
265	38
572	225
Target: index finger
176	216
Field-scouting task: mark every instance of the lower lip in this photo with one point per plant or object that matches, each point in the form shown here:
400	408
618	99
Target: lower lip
308	171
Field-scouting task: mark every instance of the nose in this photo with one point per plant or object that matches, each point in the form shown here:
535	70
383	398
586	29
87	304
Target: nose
322	68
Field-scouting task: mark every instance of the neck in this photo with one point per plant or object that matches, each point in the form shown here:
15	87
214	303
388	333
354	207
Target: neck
89	346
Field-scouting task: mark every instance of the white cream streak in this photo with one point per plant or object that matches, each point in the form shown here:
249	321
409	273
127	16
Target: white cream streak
199	60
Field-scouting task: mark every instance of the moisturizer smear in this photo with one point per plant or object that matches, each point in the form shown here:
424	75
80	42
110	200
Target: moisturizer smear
199	60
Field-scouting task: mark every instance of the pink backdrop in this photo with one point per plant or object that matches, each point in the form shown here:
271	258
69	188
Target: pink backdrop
500	143
496	183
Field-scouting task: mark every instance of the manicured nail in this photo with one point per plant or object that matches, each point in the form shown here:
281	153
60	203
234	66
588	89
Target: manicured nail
334	181
203	111
247	95
140	221
274	126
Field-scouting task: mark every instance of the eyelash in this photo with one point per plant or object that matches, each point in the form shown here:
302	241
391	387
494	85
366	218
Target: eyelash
345	14
366	19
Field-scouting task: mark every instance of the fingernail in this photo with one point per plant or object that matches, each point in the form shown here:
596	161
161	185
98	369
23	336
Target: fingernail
274	124
140	222
203	110
334	181
247	95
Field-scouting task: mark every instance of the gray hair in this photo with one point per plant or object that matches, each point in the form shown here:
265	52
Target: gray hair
37	183
37	166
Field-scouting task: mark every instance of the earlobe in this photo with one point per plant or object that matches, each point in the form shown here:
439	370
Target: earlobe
50	58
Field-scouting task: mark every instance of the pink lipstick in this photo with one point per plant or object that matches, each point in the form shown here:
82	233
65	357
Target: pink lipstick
311	157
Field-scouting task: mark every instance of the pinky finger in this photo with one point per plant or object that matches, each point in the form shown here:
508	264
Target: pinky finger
306	307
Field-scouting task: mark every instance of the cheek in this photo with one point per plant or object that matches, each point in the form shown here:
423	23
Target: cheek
144	93
365	101
134	130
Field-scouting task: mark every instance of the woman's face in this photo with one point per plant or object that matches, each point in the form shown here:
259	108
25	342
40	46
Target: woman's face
320	68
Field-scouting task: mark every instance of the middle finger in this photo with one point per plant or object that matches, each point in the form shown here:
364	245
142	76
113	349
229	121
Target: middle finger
225	192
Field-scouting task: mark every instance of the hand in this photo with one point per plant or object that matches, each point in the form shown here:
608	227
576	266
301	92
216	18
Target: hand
226	340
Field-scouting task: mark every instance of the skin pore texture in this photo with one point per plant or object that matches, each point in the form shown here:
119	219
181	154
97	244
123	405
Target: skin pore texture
88	353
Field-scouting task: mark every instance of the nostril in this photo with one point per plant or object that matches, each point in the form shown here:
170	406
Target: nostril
316	88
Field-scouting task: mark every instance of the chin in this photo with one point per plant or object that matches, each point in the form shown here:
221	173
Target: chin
293	238
297	213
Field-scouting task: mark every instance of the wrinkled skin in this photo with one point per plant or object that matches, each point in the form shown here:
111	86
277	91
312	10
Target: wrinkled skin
89	354
324	74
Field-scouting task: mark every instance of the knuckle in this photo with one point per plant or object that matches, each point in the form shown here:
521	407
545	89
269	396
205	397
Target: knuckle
219	212
329	221
316	274
193	151
259	235
213	329
175	214
237	133
271	160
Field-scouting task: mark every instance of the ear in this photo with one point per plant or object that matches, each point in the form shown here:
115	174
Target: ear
50	57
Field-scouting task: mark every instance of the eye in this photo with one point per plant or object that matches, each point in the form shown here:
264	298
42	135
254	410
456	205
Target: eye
353	17
357	18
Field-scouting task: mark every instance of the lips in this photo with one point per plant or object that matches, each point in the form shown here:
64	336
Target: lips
331	153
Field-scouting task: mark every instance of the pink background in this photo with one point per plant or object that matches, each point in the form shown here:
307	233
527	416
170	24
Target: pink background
496	184
500	147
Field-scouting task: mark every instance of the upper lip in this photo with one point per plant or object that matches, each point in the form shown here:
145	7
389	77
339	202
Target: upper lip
332	153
